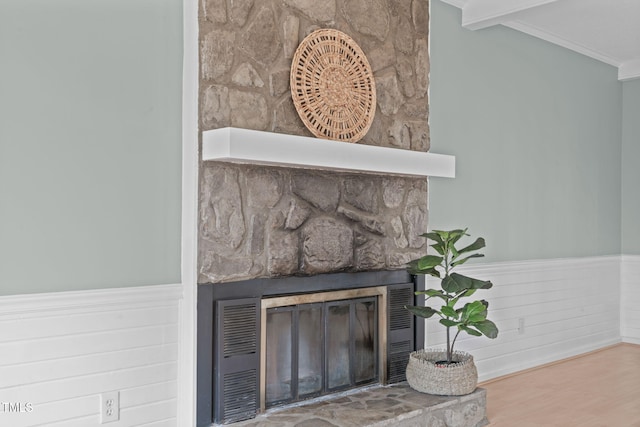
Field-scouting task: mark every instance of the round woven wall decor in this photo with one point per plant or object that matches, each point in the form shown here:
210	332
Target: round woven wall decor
332	86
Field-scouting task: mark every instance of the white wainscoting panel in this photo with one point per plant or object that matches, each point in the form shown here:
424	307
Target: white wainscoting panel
60	351
630	299
568	306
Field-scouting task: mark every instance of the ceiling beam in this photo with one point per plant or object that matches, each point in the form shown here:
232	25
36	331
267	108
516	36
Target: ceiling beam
478	14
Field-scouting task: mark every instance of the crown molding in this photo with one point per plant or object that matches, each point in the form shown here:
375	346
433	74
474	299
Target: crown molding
478	14
560	41
629	70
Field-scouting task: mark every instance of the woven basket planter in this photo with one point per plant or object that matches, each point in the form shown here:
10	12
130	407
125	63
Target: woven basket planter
425	376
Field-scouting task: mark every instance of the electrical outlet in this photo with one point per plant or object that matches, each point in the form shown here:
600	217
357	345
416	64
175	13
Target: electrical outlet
521	325
109	407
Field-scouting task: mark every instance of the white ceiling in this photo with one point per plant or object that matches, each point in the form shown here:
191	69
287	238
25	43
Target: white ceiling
606	30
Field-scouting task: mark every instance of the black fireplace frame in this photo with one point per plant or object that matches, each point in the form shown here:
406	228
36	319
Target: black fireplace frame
214	297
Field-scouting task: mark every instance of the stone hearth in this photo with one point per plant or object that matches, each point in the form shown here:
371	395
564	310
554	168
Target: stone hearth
393	406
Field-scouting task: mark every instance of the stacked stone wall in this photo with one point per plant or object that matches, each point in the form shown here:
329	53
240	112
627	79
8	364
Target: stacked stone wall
269	222
247	46
273	222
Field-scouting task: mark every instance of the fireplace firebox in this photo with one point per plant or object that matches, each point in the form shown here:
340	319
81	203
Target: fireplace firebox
324	345
264	343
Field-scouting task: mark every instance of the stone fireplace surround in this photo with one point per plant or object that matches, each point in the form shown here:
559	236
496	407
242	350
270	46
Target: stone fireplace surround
274	231
260	225
259	221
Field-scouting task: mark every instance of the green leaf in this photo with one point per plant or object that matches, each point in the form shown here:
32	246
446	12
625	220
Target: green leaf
420	311
463	260
454	252
455	235
439	247
449	323
432	272
488	328
474	312
439	235
433	236
429	261
457	283
425	265
449	312
469	292
470	331
477	318
450	285
452	302
478	244
431	293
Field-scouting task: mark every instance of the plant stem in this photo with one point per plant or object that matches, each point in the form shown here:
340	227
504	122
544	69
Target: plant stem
448	348
446	258
454	341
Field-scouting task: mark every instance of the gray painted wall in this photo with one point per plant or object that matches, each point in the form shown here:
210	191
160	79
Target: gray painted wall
630	168
90	144
536	131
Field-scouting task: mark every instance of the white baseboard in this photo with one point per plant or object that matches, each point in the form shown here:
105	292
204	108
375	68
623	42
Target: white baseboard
631	340
523	362
630	298
60	351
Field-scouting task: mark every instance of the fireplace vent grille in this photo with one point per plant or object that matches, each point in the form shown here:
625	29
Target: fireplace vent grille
401	335
236	360
398	359
399	317
236	398
240	330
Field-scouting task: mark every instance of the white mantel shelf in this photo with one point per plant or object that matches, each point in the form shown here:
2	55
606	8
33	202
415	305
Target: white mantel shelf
276	149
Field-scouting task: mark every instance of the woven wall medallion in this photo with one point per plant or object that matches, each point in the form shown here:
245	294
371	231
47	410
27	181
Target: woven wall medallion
332	86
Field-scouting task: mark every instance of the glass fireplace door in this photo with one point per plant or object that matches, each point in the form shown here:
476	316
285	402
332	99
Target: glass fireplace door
318	348
310	358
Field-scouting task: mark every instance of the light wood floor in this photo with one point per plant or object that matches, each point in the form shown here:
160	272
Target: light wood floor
600	389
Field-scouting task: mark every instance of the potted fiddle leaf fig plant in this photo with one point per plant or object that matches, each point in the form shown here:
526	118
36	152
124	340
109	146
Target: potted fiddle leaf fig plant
449	372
